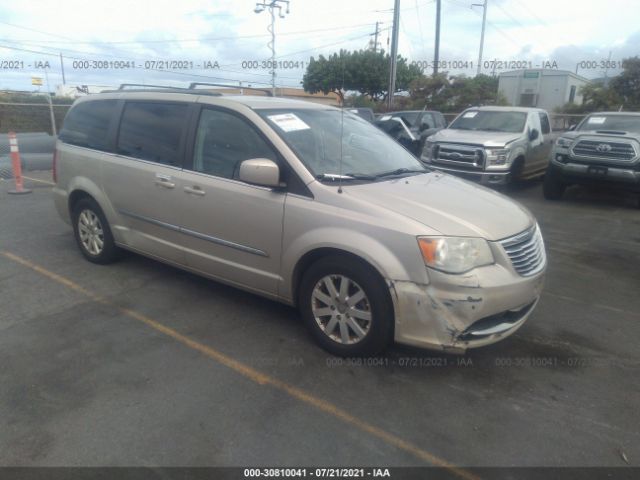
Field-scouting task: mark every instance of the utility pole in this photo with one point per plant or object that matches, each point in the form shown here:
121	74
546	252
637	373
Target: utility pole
394	52
484	23
436	54
606	71
272	5
62	68
375	38
51	114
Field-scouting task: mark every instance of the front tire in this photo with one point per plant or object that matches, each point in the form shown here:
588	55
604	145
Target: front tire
347	307
92	232
553	187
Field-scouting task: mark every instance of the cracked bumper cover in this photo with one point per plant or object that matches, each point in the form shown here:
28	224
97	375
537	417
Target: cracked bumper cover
457	312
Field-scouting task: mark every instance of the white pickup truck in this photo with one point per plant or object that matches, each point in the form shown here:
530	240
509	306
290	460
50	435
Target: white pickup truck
493	145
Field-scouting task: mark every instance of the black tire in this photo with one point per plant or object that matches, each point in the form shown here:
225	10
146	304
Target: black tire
515	172
377	299
553	187
109	252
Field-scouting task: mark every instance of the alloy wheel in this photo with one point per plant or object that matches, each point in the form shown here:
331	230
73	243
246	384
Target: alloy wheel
341	309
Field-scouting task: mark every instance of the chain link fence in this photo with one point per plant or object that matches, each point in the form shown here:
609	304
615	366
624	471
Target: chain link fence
35	120
6	171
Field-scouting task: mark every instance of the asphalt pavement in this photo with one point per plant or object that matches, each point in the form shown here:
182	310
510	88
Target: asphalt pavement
138	363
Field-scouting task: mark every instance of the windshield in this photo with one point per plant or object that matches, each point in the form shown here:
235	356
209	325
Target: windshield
616	123
491	121
410	118
365	150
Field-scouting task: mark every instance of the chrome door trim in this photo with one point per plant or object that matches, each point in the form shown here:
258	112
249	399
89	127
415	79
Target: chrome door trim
153	221
225	243
193	233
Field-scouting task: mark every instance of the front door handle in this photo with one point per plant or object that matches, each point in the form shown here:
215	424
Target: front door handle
195	190
164	181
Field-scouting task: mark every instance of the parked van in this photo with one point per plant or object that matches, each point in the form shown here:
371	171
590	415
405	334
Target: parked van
302	203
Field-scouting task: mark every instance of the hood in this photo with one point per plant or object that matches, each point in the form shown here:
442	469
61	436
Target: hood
448	204
601	135
476	137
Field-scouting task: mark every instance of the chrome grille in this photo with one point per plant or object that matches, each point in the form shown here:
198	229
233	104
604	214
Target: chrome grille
526	251
462	155
607	150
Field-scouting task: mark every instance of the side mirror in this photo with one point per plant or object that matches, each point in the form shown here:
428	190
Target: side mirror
533	134
572	127
260	171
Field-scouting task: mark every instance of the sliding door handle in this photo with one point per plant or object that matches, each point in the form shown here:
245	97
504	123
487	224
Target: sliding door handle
195	190
164	181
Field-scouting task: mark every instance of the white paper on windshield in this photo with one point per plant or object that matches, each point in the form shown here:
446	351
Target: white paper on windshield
384	118
469	115
288	122
597	120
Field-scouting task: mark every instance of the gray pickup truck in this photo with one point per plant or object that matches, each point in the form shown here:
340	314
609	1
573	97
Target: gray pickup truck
604	149
493	145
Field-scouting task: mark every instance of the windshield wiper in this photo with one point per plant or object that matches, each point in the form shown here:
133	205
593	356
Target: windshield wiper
335	177
400	171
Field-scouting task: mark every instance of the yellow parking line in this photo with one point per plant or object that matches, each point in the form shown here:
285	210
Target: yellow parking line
253	374
38	180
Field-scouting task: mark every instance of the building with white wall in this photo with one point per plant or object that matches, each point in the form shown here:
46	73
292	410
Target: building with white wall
542	88
75	91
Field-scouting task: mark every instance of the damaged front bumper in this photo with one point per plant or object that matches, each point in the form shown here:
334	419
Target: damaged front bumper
457	312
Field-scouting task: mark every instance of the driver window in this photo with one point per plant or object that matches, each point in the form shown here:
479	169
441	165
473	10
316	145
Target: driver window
544	123
427	122
223	141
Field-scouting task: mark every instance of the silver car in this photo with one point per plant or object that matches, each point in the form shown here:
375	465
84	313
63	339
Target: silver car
302	203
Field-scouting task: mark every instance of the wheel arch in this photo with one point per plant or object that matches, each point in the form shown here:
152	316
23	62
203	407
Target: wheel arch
314	255
81	187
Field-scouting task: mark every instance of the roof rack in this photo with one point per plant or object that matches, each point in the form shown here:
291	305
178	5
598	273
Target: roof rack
192	86
161	88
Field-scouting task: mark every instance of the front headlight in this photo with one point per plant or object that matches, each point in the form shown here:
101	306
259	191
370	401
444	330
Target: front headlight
563	142
455	254
497	156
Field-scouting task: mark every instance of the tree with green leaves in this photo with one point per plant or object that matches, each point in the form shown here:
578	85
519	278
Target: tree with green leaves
363	71
595	97
627	84
455	93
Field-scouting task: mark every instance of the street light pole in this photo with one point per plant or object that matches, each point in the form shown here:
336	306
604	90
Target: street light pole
394	52
436	54
272	5
484	23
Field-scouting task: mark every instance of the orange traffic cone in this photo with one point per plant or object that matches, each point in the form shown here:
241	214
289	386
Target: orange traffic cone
17	167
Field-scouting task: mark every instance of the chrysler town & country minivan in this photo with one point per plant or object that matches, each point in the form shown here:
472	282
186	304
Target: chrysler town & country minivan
305	204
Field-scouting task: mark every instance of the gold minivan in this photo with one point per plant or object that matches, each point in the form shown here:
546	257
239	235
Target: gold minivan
303	203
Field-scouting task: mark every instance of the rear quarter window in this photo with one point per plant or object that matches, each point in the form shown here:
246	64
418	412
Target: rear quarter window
87	124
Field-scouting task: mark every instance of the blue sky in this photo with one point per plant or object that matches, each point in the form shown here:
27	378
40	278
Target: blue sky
229	32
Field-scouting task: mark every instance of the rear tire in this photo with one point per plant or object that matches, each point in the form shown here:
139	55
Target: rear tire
92	232
347	307
553	187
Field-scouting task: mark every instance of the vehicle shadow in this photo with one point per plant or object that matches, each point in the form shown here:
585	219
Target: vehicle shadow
595	195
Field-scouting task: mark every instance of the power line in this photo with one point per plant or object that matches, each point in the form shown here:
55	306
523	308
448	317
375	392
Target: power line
178	40
491	24
419	24
90	54
532	13
156	70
